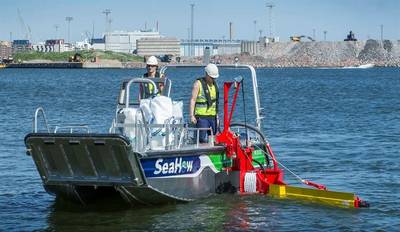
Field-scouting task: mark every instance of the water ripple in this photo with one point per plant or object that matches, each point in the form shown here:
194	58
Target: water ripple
336	127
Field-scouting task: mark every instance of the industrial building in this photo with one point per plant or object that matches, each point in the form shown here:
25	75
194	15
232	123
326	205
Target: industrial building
52	45
216	47
120	41
158	46
21	46
254	47
250	47
98	43
5	49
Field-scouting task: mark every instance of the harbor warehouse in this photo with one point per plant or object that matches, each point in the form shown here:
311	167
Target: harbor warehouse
158	46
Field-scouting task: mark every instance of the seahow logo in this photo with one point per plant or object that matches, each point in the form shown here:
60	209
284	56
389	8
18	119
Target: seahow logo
179	166
171	166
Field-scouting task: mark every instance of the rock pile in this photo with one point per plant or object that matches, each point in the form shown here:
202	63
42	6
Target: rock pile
318	54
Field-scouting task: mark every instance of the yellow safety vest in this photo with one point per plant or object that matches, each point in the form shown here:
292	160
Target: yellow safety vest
202	107
148	89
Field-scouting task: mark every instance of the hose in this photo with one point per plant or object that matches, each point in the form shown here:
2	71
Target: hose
262	136
255	129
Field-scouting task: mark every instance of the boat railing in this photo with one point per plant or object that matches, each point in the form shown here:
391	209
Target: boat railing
246	134
162	136
138	80
236	65
72	128
196	131
40	111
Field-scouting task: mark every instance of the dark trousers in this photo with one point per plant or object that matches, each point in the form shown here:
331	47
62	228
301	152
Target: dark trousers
206	122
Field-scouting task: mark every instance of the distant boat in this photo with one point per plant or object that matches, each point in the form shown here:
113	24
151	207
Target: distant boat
366	66
363	66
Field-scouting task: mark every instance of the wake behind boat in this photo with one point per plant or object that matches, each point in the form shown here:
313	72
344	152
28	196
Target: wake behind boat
152	156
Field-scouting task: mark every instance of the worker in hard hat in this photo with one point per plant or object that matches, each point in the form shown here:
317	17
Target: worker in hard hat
204	102
152	72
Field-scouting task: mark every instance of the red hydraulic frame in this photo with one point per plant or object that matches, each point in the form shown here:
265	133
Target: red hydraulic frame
243	159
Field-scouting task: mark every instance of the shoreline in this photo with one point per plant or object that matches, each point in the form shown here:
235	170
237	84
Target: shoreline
78	65
319	54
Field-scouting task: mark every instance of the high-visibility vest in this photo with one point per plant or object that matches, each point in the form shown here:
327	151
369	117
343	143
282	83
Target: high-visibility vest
207	99
148	89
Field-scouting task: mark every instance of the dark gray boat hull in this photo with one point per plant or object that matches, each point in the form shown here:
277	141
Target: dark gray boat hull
83	166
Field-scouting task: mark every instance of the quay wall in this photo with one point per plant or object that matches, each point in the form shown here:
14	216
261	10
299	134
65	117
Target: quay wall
46	65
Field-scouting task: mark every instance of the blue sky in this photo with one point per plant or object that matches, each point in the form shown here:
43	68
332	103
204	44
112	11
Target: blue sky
212	17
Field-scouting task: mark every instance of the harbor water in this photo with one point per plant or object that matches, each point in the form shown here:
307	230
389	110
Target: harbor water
338	127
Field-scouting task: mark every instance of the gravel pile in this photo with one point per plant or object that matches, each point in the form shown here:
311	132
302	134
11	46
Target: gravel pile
332	54
317	54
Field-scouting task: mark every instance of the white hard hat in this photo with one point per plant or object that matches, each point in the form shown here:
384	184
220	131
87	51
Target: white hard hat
152	60
212	70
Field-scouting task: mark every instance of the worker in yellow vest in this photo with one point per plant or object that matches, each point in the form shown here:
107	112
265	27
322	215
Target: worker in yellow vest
152	72
204	102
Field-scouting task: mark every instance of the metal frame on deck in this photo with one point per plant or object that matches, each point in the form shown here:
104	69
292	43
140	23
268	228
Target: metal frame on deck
35	120
231	66
137	80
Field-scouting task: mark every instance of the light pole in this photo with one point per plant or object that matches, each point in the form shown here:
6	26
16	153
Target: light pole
270	5
109	24
189	42
313	34
106	12
223	45
69	19
255	30
191	26
56	26
230	31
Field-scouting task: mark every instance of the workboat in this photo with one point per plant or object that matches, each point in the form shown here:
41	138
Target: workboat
151	156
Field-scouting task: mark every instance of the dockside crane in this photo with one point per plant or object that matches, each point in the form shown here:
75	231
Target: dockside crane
26	30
